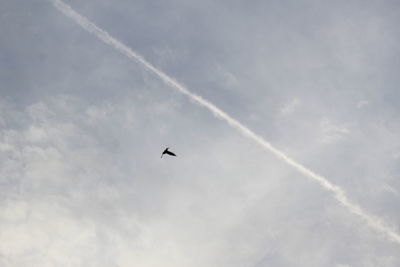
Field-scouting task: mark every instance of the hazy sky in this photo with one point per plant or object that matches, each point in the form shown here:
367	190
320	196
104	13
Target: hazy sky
82	128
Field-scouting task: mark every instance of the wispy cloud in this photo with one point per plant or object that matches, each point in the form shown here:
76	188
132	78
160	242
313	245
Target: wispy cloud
362	103
290	107
332	132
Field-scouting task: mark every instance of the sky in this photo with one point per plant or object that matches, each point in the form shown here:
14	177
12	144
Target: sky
82	128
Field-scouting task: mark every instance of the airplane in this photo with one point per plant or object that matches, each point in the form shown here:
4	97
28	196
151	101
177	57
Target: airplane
166	151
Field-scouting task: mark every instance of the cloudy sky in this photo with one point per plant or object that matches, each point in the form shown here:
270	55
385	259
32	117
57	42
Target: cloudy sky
82	128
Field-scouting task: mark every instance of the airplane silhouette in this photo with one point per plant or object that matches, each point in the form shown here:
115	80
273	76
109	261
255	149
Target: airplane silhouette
166	151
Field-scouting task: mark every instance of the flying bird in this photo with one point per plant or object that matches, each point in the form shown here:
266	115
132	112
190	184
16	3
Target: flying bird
166	151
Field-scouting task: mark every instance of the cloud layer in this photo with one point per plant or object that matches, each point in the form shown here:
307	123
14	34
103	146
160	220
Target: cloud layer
82	128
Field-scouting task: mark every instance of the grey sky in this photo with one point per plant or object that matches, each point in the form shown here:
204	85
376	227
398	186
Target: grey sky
82	128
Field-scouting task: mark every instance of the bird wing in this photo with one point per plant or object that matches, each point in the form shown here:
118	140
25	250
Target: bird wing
170	153
165	151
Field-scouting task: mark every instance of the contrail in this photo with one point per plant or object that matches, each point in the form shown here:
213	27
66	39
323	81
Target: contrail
371	220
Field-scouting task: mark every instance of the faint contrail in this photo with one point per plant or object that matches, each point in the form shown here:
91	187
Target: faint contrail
372	221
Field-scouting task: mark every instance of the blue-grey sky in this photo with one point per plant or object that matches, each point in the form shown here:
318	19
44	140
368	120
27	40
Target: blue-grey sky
82	128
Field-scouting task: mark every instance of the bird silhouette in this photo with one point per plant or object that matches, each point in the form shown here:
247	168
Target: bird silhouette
166	151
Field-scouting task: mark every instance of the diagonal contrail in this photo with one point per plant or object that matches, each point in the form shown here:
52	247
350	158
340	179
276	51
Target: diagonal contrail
371	220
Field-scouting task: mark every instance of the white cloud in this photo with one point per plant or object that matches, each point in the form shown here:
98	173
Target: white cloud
362	103
331	132
390	189
290	107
